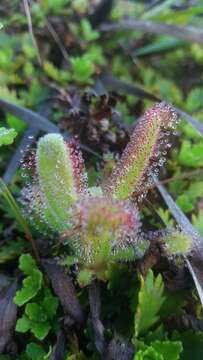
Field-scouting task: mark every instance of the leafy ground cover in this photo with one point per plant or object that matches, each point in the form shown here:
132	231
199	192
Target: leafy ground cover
101	244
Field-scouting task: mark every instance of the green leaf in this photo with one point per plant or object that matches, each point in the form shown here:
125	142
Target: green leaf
192	344
59	76
88	33
159	350
184	202
170	350
32	283
50	304
131	174
12	249
31	286
6	194
35	351
188	199
148	354
190	154
197	221
27	264
150	300
158	334
15	123
35	312
7	136
40	330
23	324
82	68
194	99
161	45
58	182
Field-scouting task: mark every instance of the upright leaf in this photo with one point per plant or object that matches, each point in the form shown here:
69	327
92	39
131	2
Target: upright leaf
143	154
60	179
150	300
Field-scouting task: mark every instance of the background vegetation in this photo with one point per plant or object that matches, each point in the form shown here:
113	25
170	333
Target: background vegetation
91	69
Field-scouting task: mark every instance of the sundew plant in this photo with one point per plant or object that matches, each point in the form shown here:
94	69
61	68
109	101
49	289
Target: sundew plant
101	225
101	184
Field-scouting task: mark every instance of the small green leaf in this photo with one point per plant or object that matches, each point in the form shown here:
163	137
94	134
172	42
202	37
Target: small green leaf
50	304
7	136
197	221
185	203
23	324
82	68
148	354
190	154
40	330
35	351
32	283
27	264
12	249
88	33
170	350
150	300
35	312
31	286
194	99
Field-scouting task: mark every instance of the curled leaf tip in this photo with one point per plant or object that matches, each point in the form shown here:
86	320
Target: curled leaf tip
144	154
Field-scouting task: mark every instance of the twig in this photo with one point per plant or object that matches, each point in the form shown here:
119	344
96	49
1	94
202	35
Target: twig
186	175
187	33
57	40
112	83
95	307
119	349
30	28
64	288
59	347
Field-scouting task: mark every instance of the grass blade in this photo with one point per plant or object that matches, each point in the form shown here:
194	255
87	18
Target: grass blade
161	46
188	33
28	116
6	194
112	83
